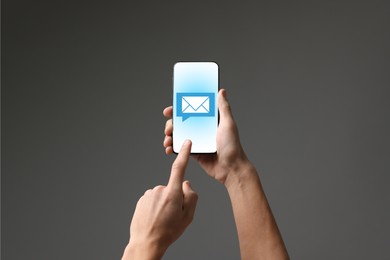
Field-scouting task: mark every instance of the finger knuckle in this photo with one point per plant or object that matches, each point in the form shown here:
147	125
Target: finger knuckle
147	192
170	197
158	188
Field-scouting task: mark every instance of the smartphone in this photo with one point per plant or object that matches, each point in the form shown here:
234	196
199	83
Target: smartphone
195	111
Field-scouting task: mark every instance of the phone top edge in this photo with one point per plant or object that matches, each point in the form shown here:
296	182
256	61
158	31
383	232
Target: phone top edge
211	61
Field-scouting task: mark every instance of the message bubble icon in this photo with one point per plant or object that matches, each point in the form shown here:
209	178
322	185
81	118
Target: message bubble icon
195	105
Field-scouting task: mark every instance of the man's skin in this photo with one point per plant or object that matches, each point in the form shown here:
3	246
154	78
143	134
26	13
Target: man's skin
258	233
162	213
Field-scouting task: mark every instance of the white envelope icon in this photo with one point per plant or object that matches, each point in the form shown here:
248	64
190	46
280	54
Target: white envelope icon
195	104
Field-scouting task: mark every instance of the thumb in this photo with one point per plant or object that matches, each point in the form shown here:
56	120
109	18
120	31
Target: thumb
189	201
224	107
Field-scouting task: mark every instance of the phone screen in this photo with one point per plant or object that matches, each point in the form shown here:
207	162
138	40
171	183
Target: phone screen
195	111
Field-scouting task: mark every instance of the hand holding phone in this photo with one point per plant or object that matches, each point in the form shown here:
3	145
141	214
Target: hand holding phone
230	155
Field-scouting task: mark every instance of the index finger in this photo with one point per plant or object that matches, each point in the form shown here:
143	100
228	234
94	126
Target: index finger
179	167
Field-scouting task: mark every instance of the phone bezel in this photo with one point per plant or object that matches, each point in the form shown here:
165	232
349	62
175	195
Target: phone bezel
173	90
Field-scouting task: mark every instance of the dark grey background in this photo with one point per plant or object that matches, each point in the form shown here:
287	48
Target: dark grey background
83	88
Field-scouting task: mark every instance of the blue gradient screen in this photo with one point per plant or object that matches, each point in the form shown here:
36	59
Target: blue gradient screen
195	112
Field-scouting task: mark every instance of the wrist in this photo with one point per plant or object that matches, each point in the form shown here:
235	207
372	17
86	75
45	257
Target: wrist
143	251
240	174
